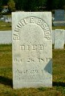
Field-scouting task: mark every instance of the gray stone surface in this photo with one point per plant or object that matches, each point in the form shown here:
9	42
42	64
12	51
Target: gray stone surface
59	19
59	23
32	49
59	39
5	37
59	15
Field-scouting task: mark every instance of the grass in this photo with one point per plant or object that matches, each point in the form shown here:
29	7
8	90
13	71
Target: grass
5	26
6	89
58	27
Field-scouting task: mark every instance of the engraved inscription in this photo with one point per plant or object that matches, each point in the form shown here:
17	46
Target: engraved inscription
32	47
31	59
22	47
32	71
37	21
16	36
41	47
32	20
23	22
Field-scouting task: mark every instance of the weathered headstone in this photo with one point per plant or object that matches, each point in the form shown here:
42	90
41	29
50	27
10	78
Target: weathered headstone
59	39
32	49
59	15
59	18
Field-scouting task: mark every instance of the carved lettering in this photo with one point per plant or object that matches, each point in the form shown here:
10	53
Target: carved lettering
18	59
32	71
17	29
32	20
31	59
34	47
41	59
39	22
22	47
28	47
23	22
20	24
41	47
16	37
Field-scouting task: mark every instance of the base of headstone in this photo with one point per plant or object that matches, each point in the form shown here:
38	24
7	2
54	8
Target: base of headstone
58	23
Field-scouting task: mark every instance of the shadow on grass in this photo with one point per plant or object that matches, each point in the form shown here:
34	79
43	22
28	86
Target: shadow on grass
8	82
5	81
62	84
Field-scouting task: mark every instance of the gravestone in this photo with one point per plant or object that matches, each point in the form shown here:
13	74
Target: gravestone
32	49
59	39
59	15
59	18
